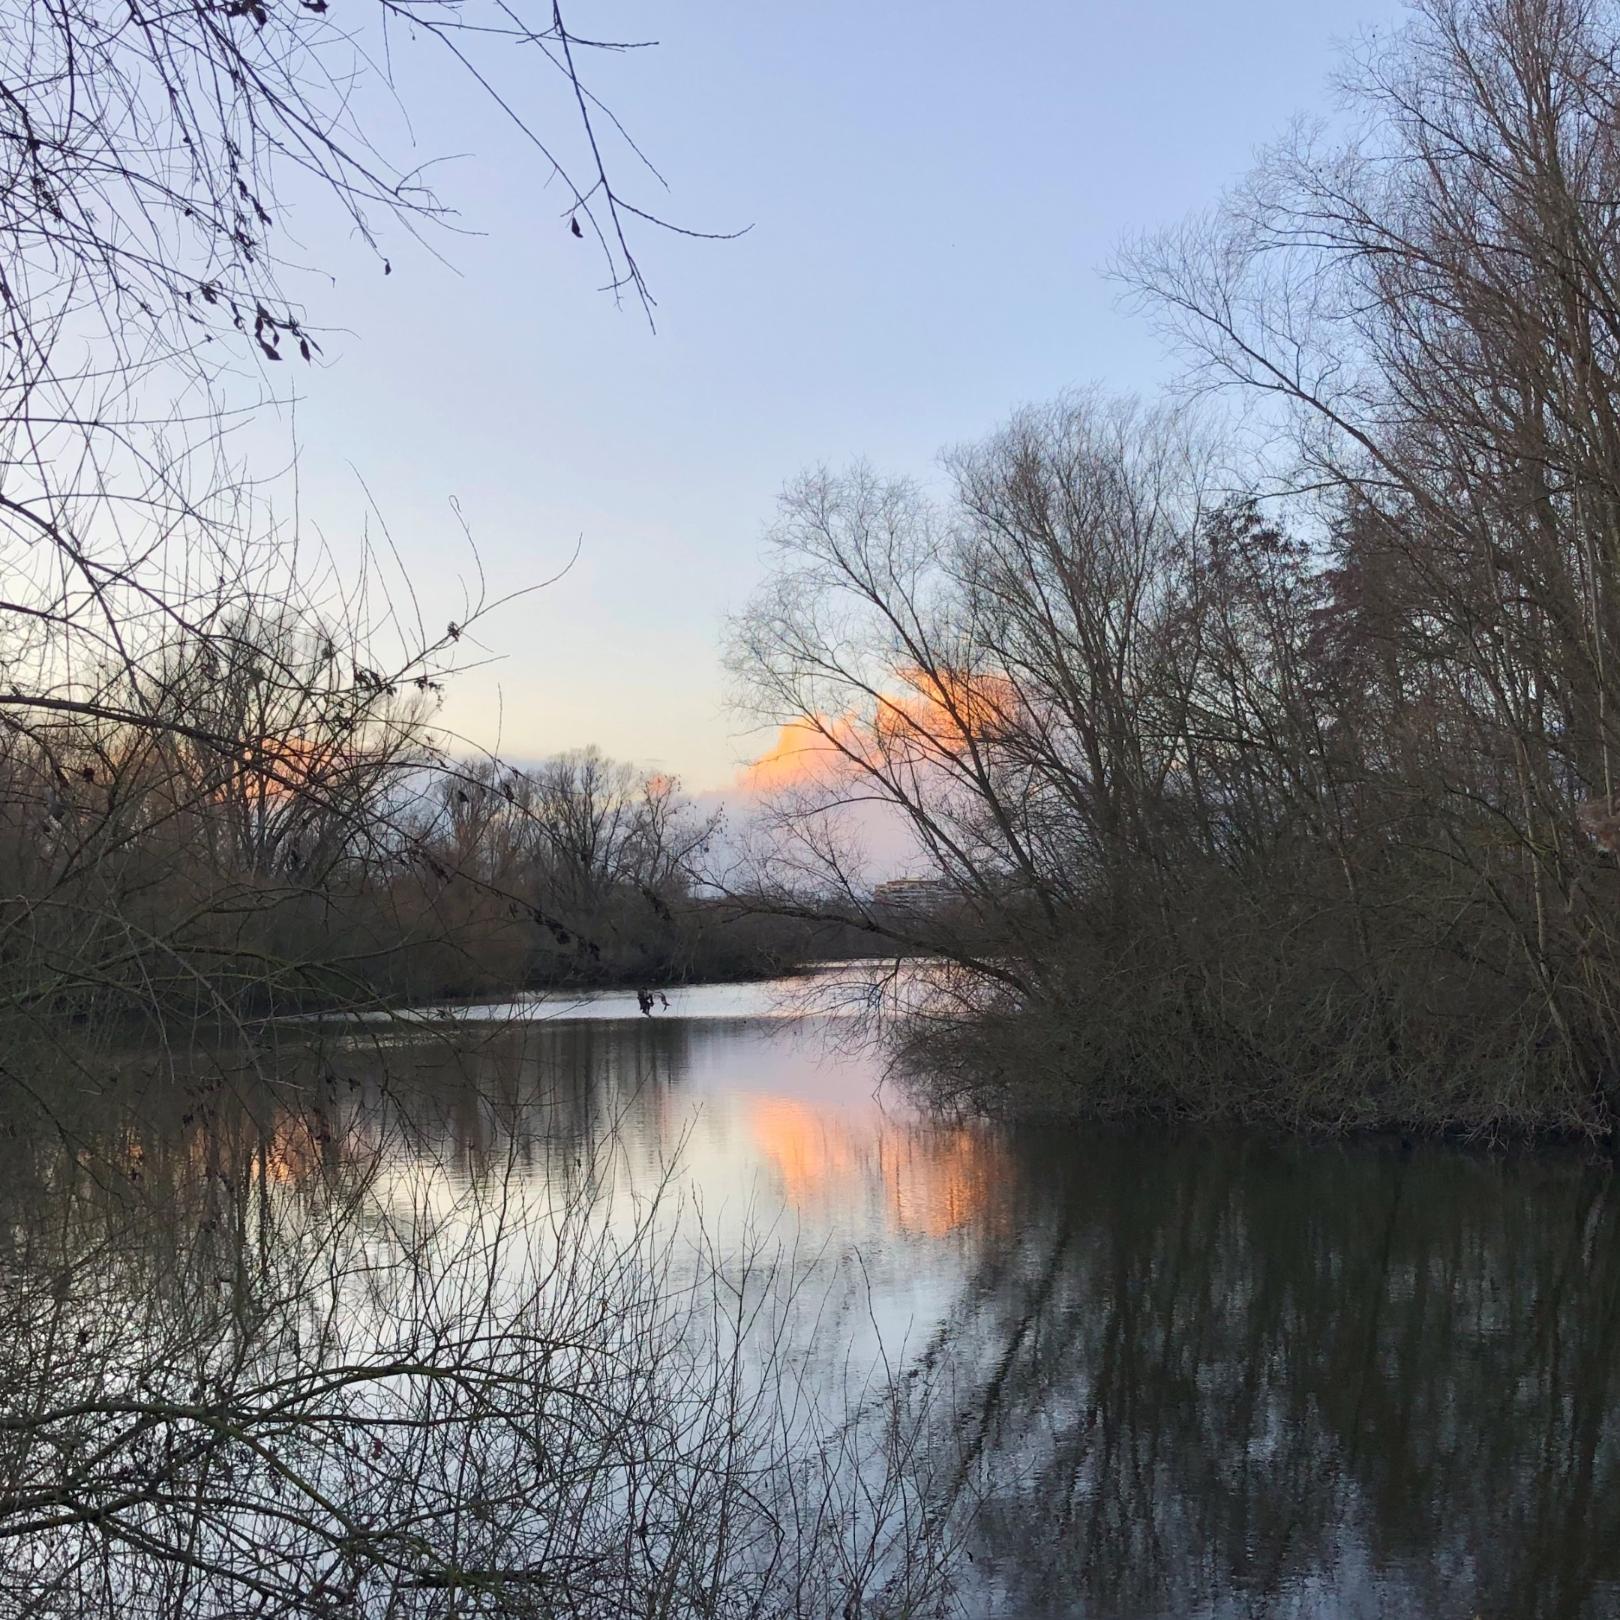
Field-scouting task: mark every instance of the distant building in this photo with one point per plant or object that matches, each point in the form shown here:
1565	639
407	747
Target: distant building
912	896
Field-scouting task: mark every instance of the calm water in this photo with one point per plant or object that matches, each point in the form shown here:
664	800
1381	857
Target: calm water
1164	1376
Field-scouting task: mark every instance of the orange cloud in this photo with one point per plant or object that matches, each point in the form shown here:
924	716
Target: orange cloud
281	766
932	712
806	751
983	703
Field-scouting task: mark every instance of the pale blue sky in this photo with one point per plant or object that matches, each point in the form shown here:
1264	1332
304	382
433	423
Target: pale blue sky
933	191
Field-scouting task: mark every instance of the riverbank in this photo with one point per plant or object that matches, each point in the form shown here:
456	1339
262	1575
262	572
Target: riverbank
1035	1066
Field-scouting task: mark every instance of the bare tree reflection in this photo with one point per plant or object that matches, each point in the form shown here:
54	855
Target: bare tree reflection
327	1346
1293	1381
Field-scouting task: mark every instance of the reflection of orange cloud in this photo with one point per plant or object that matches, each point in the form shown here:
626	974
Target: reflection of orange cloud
938	1182
929	1181
230	1143
296	1148
293	1150
812	1154
933	713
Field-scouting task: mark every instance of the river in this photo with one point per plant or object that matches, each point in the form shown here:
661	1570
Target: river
1139	1374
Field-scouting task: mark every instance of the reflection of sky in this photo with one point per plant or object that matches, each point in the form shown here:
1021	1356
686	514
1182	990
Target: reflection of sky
1190	1377
835	990
782	1136
785	1137
777	1132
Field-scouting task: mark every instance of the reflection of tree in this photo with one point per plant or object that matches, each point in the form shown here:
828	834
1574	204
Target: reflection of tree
1175	1378
1235	1375
326	1347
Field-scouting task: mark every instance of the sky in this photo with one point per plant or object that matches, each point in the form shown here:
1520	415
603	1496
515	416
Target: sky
932	195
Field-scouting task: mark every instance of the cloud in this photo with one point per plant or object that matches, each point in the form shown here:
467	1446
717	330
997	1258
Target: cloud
807	752
924	719
927	715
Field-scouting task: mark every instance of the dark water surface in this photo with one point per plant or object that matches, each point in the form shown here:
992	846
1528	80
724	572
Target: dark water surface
1181	1376
1165	1376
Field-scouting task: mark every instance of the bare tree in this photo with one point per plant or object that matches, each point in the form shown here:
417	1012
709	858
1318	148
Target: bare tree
1209	817
1432	308
993	672
194	695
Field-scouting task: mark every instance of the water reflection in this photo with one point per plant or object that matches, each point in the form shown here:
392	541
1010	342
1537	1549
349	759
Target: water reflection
1161	1377
1228	1380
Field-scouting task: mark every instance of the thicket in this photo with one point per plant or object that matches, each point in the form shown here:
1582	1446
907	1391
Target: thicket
1269	752
380	1342
223	790
285	848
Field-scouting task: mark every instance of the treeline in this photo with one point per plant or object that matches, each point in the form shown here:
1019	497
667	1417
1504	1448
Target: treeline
220	786
248	822
1270	755
580	871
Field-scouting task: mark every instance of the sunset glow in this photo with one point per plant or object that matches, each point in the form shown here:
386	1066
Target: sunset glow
931	713
808	751
928	1182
